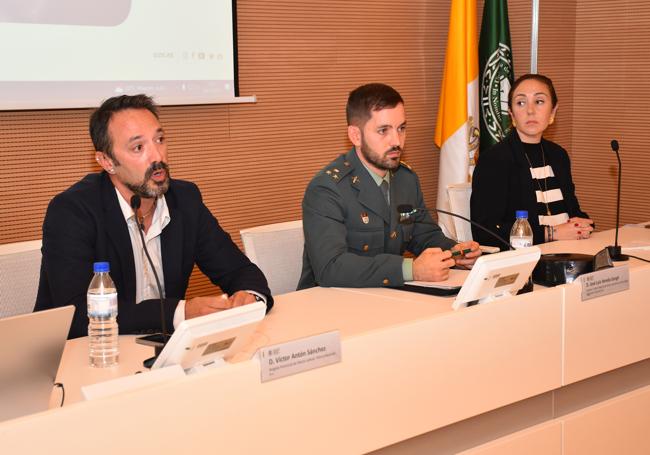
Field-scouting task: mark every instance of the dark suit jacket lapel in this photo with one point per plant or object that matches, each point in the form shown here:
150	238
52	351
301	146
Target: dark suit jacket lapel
118	235
369	193
171	244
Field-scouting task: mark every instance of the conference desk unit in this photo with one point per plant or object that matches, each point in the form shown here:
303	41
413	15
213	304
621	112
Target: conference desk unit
543	372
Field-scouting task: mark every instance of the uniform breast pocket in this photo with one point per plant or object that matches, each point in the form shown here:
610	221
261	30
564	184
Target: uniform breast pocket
368	243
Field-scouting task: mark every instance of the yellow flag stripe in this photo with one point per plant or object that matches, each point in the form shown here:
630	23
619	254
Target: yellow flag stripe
461	67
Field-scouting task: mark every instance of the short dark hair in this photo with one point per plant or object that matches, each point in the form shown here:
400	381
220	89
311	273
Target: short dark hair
101	117
537	77
367	98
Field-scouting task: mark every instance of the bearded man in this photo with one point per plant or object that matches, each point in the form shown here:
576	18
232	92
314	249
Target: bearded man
350	220
94	221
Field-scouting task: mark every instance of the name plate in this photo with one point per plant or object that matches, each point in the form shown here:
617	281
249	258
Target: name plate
605	282
300	355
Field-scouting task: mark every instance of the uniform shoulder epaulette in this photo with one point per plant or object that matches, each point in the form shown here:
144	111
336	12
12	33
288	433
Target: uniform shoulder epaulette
338	169
403	164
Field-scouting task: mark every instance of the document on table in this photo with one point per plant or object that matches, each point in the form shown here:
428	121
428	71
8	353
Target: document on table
448	287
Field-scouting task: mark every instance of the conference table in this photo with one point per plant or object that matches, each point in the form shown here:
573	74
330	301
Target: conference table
543	372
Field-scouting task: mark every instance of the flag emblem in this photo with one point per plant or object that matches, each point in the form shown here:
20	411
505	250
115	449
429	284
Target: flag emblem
495	86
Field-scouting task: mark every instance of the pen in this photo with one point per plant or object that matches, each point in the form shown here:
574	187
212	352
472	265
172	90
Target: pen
460	252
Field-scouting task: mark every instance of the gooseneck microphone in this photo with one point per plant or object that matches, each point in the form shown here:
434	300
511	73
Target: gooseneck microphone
407	213
135	205
615	250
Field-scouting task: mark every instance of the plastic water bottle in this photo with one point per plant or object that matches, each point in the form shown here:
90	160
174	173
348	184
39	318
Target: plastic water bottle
521	236
102	318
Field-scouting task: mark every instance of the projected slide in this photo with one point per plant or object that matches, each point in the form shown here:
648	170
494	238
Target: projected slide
75	53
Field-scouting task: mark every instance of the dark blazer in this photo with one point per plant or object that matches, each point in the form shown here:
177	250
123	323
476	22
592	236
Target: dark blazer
352	237
502	184
85	224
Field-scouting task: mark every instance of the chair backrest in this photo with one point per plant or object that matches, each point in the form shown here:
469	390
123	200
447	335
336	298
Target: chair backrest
20	265
459	196
277	250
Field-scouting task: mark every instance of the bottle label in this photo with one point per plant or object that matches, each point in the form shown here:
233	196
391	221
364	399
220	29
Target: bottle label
102	305
519	242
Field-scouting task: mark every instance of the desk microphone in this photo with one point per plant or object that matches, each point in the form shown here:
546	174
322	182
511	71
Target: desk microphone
615	250
135	205
407	214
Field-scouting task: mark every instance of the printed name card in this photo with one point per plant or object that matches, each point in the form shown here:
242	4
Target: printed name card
296	356
605	282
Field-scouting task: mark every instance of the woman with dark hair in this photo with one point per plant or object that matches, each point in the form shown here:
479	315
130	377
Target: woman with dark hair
526	172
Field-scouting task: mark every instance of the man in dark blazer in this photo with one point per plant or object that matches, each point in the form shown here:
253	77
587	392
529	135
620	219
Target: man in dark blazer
350	220
92	221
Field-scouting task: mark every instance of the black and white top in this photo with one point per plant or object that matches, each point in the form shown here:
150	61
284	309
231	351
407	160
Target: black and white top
551	207
503	183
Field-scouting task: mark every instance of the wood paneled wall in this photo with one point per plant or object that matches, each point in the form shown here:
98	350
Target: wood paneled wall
302	57
612	100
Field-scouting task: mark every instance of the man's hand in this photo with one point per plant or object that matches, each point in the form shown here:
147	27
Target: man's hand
432	265
200	306
240	298
467	260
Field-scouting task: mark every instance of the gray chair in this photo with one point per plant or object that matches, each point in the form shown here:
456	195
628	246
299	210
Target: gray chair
20	265
277	250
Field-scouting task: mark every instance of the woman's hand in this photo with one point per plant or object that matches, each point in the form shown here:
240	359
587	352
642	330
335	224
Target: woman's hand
574	229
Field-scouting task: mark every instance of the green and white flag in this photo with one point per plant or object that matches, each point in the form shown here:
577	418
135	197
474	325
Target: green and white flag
496	74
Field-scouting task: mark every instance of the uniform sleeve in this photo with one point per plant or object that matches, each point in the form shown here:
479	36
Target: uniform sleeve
327	248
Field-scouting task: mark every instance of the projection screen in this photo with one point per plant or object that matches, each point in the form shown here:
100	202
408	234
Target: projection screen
76	53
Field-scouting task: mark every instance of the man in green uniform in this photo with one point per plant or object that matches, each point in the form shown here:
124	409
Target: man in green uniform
350	220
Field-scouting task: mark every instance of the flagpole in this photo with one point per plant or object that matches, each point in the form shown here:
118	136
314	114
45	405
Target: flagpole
534	37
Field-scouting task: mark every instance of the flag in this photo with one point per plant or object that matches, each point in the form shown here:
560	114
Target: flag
496	72
457	130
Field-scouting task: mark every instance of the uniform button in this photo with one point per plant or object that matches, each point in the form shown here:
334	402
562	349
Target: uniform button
365	248
393	235
385	281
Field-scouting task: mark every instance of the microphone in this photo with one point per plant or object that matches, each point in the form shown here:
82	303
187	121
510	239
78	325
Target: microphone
407	214
615	250
135	205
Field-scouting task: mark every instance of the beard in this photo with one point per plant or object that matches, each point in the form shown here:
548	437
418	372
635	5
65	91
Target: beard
149	188
380	160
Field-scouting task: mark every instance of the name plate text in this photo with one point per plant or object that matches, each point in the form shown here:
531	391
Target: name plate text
300	355
605	282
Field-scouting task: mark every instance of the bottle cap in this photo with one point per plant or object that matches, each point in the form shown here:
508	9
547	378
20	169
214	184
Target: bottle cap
99	267
521	214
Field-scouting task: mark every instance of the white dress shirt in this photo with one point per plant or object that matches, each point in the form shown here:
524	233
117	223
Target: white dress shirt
145	282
